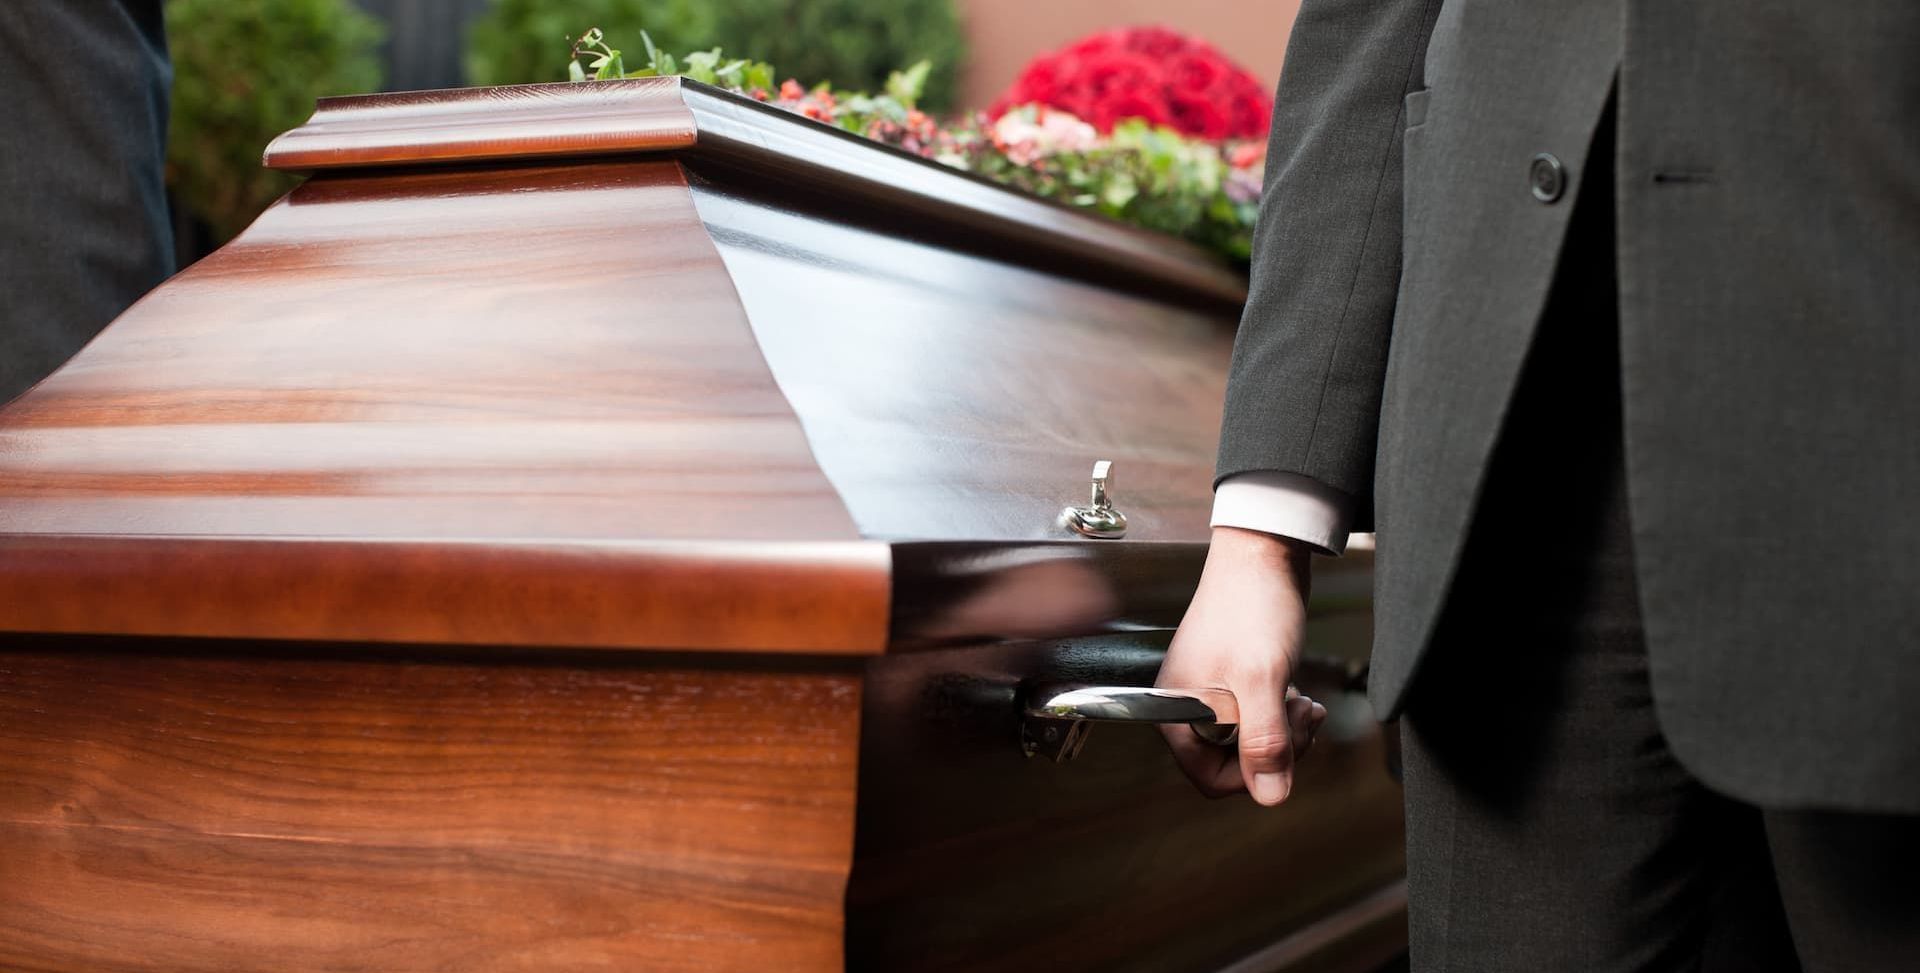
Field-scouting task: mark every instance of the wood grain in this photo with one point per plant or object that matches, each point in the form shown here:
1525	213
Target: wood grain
726	596
210	813
693	121
416	366
470	557
472	124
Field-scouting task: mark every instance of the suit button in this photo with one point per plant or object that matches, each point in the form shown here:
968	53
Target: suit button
1548	176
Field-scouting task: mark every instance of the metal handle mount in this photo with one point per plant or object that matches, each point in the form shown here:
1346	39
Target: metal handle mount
1099	518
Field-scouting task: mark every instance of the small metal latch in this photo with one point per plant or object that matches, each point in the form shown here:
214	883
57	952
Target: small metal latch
1056	740
1099	518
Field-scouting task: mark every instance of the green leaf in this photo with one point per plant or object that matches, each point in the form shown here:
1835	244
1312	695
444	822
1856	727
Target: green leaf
575	72
653	53
907	86
730	72
758	74
700	65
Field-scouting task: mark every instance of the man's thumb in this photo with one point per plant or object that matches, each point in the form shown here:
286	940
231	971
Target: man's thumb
1266	758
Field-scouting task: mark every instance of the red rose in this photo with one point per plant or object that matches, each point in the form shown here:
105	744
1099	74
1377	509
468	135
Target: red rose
1112	111
1118	73
1155	42
1076	103
1196	74
1249	113
1199	48
1043	80
1145	72
1198	115
1100	43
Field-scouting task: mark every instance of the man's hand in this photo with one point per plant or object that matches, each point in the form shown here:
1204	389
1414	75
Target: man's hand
1242	633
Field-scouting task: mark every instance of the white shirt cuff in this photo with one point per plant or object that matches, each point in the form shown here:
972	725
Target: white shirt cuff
1287	504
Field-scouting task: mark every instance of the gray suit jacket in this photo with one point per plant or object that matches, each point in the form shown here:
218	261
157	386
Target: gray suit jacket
83	209
1768	209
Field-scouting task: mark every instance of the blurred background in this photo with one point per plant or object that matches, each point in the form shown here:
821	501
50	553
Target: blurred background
246	70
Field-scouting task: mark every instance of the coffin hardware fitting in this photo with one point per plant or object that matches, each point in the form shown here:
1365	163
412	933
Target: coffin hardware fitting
1100	518
1057	717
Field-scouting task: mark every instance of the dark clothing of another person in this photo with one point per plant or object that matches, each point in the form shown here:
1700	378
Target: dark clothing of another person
83	208
1670	624
1550	827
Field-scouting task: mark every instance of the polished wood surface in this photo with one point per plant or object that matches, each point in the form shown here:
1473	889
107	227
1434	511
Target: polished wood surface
973	857
541	542
765	144
437	406
172	811
737	596
949	593
987	389
475	124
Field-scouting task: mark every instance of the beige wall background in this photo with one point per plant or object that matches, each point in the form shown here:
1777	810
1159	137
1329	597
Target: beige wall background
1005	34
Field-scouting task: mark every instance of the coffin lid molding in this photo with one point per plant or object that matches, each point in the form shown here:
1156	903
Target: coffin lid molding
705	124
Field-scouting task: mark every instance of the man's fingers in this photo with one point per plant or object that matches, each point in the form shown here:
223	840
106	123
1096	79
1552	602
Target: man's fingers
1266	751
1303	721
1212	768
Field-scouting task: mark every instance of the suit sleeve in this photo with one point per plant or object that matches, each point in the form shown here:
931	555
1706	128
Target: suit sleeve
1303	395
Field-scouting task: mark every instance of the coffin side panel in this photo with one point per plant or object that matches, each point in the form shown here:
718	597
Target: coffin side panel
953	397
972	857
225	813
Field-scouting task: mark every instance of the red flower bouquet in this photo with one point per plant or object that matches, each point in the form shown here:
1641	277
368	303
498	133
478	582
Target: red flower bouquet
1153	73
1145	126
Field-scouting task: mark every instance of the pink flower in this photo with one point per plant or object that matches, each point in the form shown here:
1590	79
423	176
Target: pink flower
1247	155
1243	185
1030	133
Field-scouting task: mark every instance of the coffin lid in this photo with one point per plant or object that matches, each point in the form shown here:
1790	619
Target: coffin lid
394	411
675	115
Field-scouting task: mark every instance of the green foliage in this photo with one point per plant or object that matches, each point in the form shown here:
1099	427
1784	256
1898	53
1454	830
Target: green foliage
245	71
846	43
520	41
1149	176
850	43
603	62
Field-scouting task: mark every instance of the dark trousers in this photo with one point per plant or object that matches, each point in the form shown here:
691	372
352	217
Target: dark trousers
1549	827
83	211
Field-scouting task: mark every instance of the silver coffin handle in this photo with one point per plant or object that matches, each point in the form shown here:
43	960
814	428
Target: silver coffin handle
1058	716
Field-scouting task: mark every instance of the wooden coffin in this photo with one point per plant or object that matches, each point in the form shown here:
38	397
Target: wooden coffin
612	527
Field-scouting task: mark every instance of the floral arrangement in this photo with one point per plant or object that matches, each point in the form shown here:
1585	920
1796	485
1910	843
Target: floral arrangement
1137	169
1152	73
